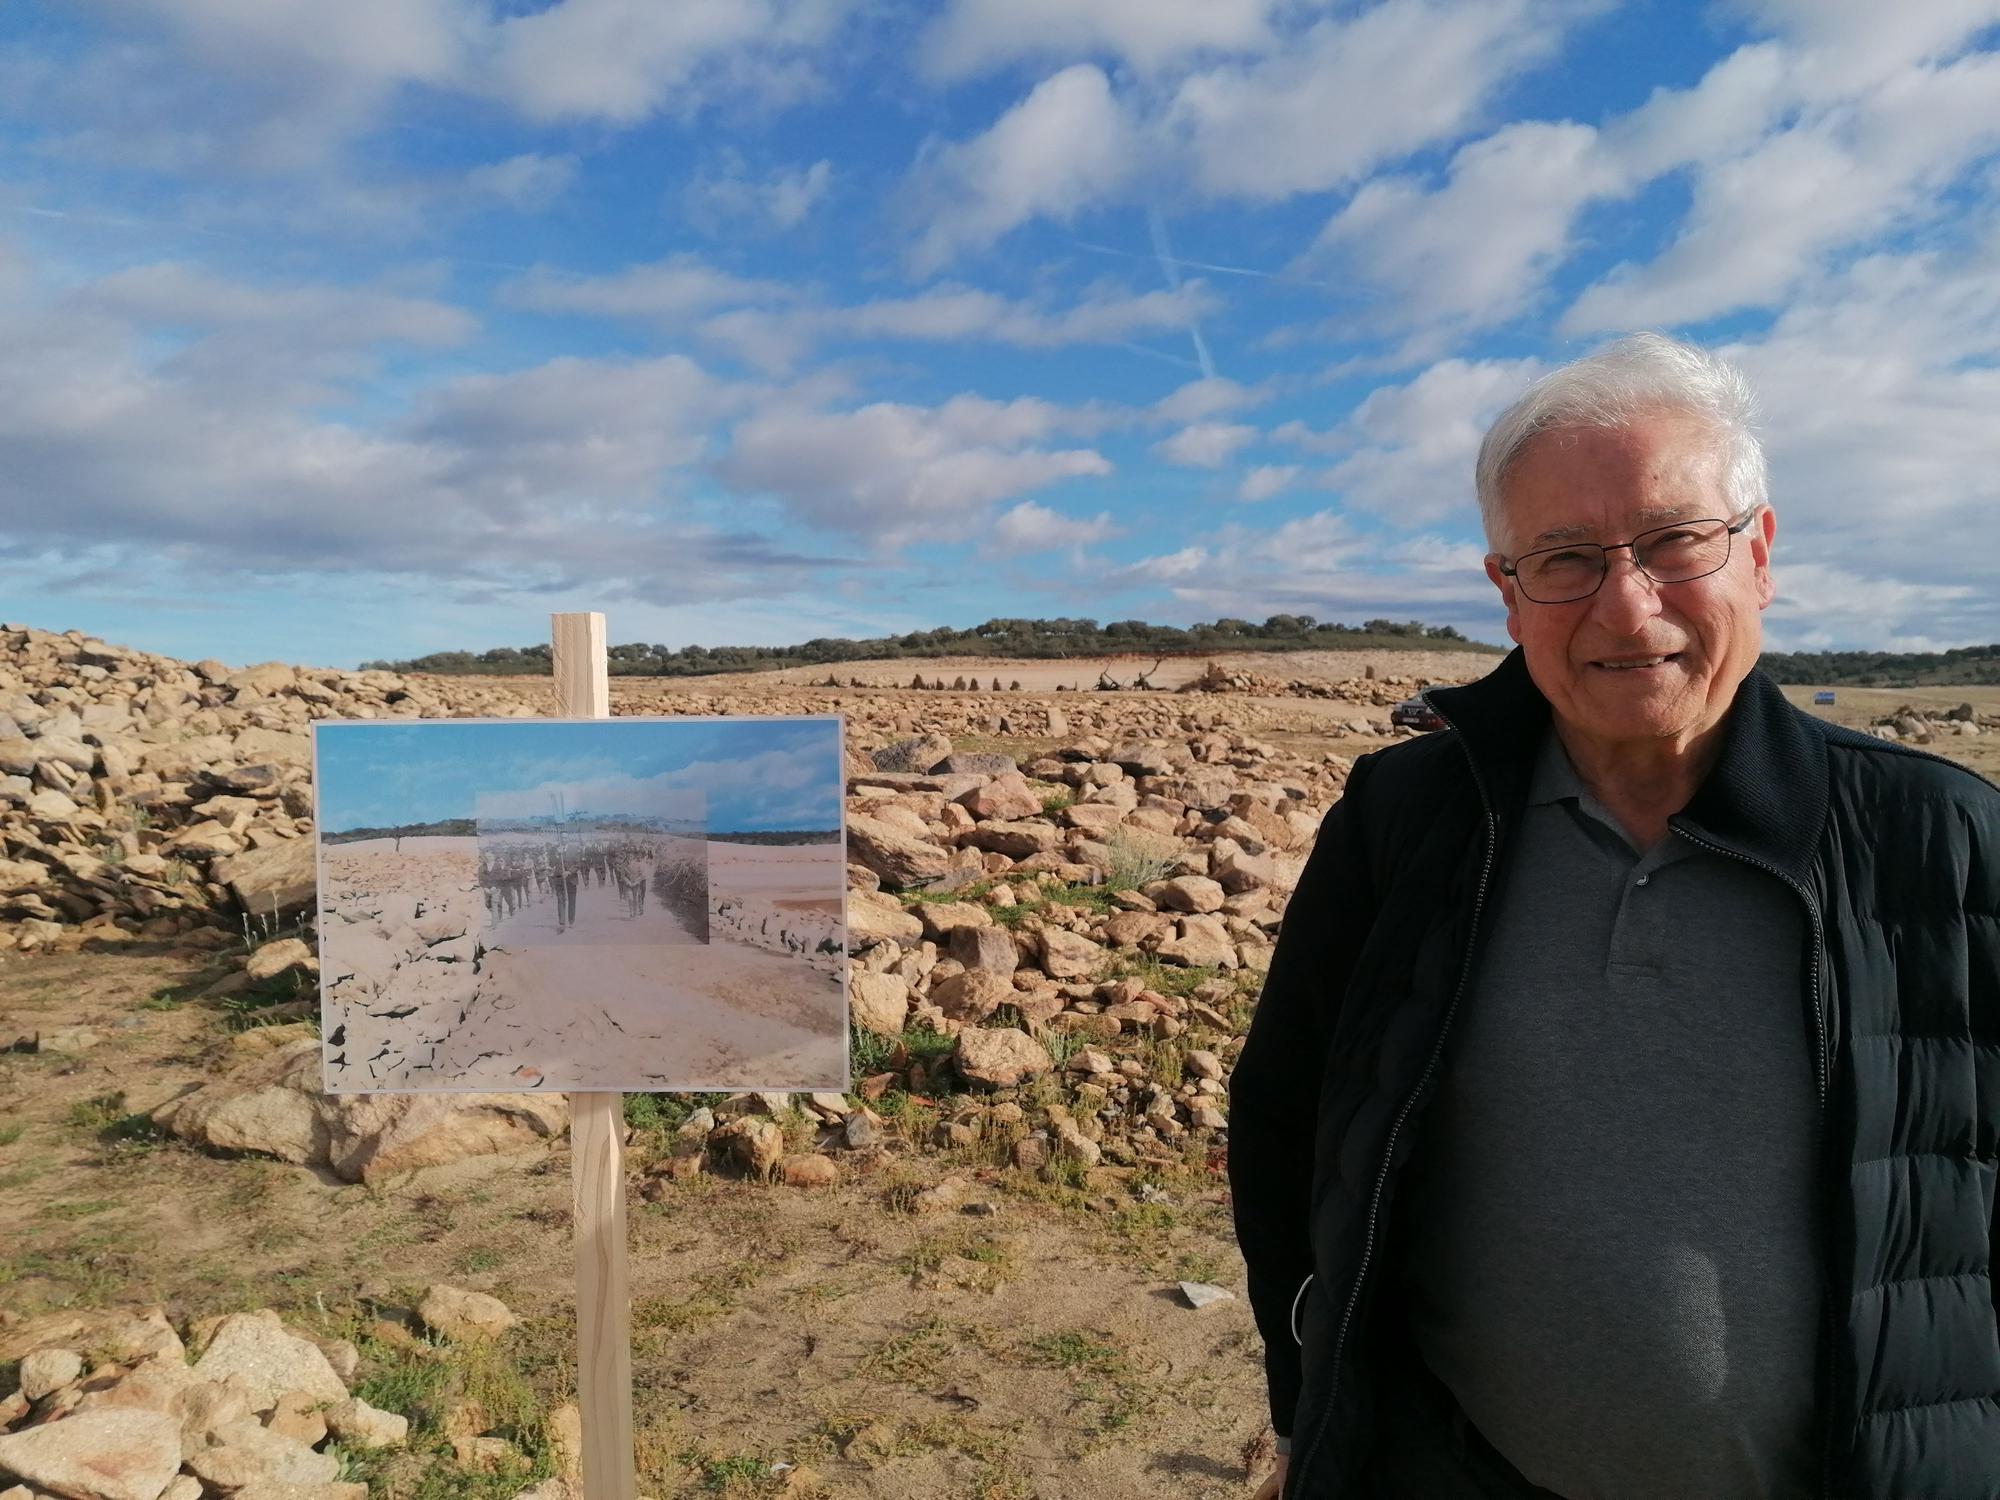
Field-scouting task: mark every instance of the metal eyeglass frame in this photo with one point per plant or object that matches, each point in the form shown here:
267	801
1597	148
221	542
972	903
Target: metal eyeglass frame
1729	528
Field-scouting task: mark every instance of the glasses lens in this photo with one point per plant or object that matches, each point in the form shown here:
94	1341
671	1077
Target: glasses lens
1692	549
1561	573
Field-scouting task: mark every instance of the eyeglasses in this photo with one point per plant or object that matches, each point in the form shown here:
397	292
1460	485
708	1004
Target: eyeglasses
1679	553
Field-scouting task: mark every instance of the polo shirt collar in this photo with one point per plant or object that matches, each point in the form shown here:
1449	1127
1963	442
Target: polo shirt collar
1766	796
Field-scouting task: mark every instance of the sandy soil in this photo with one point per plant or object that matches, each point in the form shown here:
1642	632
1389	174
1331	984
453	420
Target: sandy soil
425	989
1039	1352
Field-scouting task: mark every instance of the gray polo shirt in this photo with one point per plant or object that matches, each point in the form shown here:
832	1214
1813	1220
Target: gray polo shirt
1613	1263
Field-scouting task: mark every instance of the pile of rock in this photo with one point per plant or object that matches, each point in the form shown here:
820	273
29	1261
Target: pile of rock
267	1099
145	797
116	1406
1376	692
1916	726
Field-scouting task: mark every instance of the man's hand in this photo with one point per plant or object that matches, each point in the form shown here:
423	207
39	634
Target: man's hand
1274	1485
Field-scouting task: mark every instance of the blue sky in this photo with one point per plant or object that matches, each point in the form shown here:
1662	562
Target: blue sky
336	334
749	775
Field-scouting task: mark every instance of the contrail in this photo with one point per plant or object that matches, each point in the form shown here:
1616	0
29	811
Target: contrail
1171	270
1200	265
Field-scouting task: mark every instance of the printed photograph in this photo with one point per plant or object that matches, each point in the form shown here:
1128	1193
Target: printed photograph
635	904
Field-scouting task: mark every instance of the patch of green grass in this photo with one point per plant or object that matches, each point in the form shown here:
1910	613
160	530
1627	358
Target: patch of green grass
666	1113
481	1258
1181	981
868	1051
913	1356
972	890
423	1382
11	1133
99	1112
925	1045
1106	1378
1198	1265
1076	1350
76	1209
1058	798
717	1474
1091	898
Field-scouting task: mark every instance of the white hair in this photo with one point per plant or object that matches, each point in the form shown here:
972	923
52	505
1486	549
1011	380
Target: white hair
1640	375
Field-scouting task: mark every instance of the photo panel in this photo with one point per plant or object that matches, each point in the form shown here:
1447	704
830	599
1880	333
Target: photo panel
630	904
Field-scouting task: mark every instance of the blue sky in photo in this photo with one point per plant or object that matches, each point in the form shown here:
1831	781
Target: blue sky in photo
752	775
339	333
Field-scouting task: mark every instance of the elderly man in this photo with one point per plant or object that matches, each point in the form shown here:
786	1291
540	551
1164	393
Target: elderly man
1619	1119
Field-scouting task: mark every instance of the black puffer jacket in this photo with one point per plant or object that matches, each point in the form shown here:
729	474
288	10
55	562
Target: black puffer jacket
1895	857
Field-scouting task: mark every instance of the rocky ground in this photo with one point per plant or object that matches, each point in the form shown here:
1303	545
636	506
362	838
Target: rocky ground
974	1272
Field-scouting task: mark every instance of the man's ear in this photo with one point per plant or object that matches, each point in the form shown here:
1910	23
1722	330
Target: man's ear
1762	532
1506	586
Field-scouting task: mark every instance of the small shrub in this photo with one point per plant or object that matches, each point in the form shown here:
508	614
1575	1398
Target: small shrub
1132	865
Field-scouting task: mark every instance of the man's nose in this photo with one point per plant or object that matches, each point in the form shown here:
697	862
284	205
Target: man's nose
1627	598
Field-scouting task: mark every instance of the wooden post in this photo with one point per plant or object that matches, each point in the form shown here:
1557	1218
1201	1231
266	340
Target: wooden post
597	1158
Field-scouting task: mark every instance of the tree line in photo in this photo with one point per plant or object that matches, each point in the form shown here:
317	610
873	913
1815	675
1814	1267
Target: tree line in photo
1036	639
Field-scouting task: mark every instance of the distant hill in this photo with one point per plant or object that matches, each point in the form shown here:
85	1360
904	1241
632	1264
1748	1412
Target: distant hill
1965	666
1046	639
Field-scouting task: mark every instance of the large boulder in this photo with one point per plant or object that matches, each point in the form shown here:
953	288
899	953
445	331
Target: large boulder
1067	955
275	881
269	1359
463	1316
918	754
991	949
1202	943
875	919
878	1002
1189	893
973	995
97	1455
274	1105
1004	798
998	1057
1015	840
899	858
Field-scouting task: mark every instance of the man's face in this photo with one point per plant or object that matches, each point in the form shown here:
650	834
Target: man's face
1637	660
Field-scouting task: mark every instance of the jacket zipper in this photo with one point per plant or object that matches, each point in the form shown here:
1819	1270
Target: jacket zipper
1423	1081
1822	1044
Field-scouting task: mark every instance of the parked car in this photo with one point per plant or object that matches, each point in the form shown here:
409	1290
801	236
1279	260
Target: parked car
1414	713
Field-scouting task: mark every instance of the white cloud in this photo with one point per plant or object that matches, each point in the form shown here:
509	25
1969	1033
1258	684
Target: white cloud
1208	397
1266	480
1029	527
973	37
1204	445
1411	447
1320	565
1474	251
778	199
268	86
668	293
772	326
167	422
1353	93
1762	220
527	183
901	473
621	61
1060	150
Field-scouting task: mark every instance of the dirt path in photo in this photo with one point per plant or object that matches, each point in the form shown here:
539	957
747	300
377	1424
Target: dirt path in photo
649	1004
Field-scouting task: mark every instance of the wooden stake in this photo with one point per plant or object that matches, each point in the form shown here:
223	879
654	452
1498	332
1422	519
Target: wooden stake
597	1159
